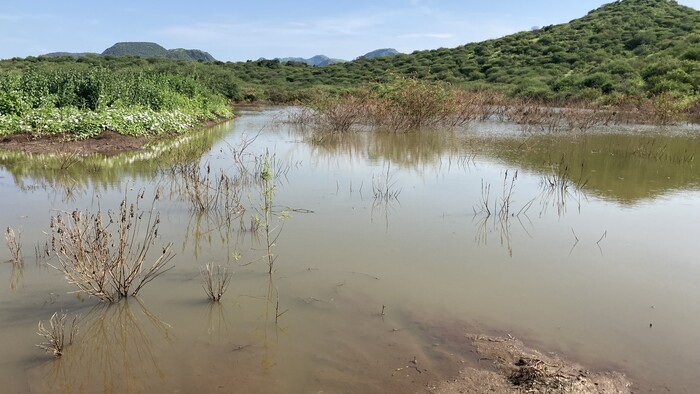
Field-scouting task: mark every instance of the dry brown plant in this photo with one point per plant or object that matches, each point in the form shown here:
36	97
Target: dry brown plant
215	280
106	264
14	243
55	334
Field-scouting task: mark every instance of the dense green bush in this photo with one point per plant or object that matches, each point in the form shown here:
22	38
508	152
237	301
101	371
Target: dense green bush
83	101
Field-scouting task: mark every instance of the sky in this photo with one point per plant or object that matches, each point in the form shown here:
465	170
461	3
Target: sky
248	30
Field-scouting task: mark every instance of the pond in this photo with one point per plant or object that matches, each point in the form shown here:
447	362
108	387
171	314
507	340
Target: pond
581	244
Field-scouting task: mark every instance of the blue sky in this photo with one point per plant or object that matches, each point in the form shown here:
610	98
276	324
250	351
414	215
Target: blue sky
242	30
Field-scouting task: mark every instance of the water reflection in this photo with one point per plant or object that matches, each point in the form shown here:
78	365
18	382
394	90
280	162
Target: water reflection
405	150
627	168
217	323
115	351
17	276
72	171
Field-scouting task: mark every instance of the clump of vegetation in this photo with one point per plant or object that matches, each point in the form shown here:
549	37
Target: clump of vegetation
215	280
107	264
335	114
55	334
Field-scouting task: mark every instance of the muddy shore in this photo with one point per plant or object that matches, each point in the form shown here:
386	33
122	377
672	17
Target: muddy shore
108	142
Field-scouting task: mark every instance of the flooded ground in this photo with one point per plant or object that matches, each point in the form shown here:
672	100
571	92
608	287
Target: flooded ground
585	245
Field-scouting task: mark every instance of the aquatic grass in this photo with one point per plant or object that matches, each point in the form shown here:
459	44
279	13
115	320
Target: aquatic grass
108	265
268	190
215	280
384	189
495	214
55	335
266	219
207	192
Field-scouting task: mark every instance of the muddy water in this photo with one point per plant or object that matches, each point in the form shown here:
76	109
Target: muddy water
595	259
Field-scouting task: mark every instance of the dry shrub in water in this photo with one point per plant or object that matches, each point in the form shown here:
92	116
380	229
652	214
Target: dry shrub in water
338	114
55	334
210	192
107	264
215	280
14	244
409	103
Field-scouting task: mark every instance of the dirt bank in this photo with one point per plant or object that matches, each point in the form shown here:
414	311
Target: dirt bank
506	365
108	142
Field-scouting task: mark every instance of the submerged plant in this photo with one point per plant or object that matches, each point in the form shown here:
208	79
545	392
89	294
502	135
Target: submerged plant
105	264
55	334
384	189
215	280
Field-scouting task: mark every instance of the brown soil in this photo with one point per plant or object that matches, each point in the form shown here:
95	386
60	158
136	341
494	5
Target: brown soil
508	366
108	142
503	364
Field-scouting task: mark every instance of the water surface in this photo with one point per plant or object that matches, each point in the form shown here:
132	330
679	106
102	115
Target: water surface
596	259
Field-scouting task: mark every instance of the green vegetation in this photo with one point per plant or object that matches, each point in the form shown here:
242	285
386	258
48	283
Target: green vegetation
641	56
621	53
80	101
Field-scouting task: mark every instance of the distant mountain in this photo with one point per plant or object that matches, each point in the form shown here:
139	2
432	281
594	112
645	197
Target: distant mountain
151	49
190	54
381	53
318	60
142	49
69	54
322	60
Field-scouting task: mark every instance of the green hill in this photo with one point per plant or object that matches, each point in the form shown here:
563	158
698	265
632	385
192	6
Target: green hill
151	50
629	47
381	53
189	54
142	49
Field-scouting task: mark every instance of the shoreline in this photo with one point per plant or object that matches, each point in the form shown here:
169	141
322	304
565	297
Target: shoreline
107	142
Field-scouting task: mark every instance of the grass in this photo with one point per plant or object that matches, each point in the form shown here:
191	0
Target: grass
55	334
501	209
105	264
384	188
